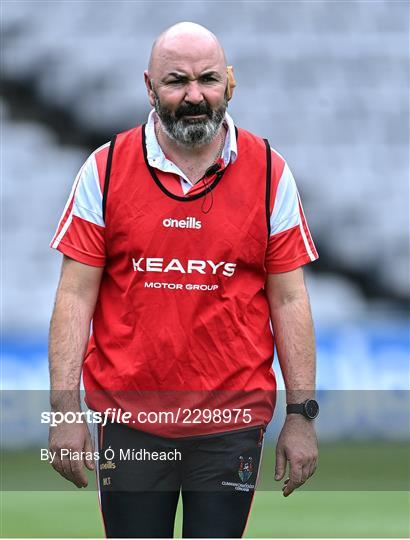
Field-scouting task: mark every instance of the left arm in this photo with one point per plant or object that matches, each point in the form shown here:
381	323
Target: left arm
295	343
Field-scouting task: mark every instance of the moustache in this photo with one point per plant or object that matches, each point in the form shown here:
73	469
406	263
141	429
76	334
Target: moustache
191	110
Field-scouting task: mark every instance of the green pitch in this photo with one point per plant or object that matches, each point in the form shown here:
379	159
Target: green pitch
309	514
344	499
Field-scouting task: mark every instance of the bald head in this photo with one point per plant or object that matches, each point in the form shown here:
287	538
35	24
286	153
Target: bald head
187	84
185	40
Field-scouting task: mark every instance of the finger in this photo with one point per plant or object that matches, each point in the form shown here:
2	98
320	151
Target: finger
280	466
295	478
62	466
65	464
285	483
88	447
77	472
312	467
289	488
305	471
57	465
295	472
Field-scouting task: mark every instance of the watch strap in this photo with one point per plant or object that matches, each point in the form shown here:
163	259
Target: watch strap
295	408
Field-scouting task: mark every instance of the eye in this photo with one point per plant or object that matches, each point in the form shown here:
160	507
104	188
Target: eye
208	79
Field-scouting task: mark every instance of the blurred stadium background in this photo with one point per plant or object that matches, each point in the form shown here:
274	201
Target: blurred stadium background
328	83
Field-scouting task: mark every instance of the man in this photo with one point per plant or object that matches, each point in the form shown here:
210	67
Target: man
182	240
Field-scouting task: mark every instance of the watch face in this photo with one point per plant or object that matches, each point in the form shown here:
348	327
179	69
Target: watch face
311	408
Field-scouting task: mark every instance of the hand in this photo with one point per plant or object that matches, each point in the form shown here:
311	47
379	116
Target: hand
297	444
75	437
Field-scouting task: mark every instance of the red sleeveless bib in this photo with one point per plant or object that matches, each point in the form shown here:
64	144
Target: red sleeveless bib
182	321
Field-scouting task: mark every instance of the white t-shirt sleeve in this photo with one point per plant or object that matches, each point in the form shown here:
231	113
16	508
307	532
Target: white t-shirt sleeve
290	243
80	232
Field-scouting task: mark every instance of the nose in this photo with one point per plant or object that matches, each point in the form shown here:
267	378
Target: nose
193	93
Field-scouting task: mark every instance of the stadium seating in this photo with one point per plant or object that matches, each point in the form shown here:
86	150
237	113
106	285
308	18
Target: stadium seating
327	83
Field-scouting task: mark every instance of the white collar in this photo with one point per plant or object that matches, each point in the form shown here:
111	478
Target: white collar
157	159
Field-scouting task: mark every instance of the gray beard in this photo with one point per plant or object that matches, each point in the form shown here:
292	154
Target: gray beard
190	133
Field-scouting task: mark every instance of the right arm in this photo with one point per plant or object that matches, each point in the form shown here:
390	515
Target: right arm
76	297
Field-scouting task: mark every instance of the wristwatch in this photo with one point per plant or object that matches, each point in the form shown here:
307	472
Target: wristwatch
309	408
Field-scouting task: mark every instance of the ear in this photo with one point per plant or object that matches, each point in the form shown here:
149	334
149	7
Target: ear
147	80
231	83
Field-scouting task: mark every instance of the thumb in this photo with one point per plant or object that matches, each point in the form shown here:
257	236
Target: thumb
280	466
88	447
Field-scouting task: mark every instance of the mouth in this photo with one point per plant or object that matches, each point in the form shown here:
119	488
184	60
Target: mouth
194	116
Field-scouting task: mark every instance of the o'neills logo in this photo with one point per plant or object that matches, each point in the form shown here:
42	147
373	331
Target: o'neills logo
158	264
188	223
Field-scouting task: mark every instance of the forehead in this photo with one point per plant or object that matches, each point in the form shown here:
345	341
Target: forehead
189	56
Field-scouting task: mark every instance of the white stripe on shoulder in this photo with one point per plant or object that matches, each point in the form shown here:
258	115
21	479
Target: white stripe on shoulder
88	197
305	241
73	188
63	230
305	233
285	213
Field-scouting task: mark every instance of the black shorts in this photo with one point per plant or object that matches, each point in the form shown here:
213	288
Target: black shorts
141	475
